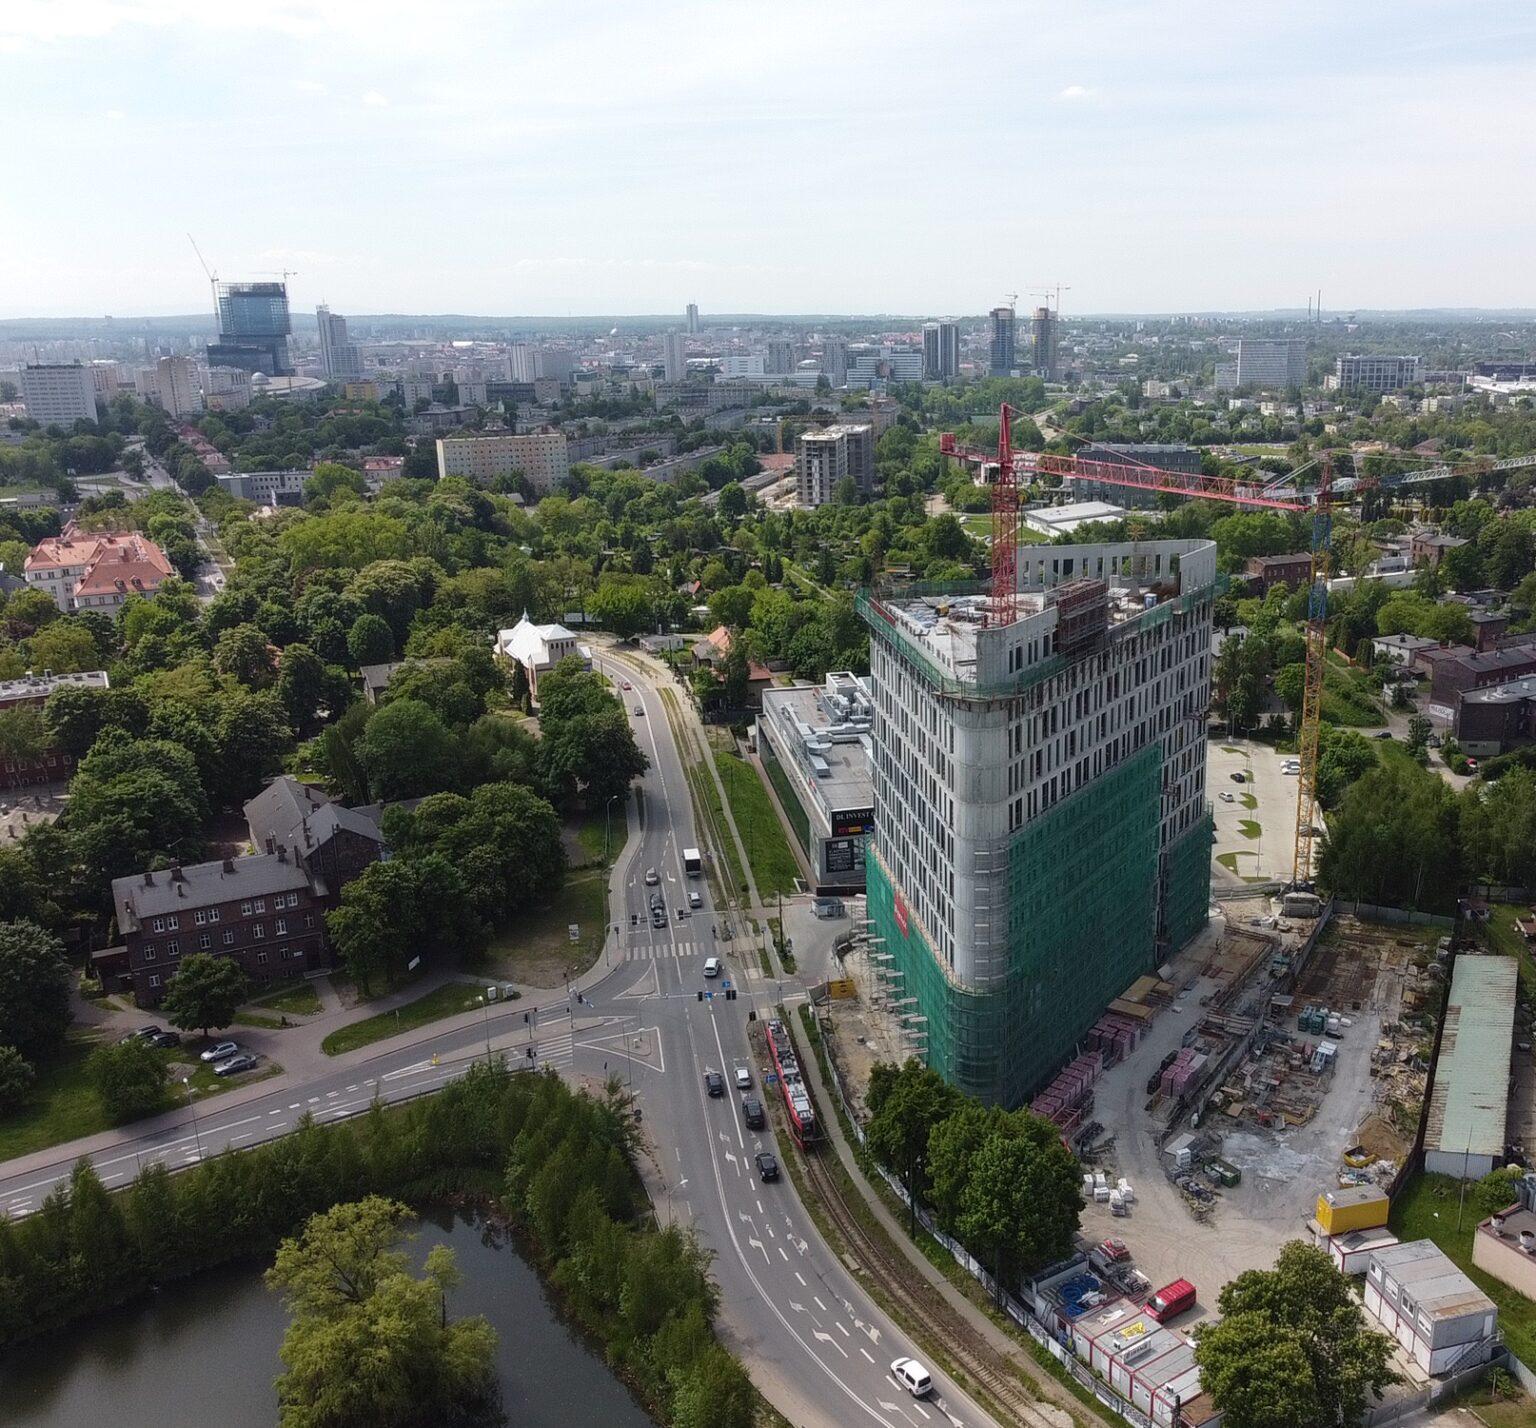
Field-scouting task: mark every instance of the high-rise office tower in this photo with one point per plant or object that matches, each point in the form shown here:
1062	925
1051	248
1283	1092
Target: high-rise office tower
173	384
58	393
1042	332
941	351
1272	362
521	364
253	329
1002	358
340	359
673	350
1041	831
693	319
834	360
780	355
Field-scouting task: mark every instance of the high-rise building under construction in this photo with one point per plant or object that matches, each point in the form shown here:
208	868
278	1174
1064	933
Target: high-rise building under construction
1042	836
1042	332
1004	335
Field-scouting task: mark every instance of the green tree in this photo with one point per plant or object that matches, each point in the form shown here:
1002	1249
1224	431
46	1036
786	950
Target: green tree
128	1078
623	604
23	733
1419	729
368	1343
205	993
16	1078
1336	1365
406	751
370	640
905	1104
34	989
244	653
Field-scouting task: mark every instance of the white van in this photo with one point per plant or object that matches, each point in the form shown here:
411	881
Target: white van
712	967
912	1376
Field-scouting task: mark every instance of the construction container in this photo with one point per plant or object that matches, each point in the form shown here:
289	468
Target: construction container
1182	1150
1301	904
1223	1172
1352	1207
1324	1057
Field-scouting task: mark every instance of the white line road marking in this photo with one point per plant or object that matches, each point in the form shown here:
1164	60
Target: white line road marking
759	1207
838	1324
801	1278
919	1407
277	1112
782	1255
351	1088
820	1305
866	1353
295	1106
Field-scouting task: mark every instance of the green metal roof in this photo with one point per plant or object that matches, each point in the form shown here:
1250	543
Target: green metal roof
1471	1098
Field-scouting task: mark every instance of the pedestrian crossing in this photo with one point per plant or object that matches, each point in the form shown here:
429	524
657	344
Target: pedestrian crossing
554	1049
663	951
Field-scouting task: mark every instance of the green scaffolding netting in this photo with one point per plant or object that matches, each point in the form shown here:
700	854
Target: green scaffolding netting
1082	885
1187	884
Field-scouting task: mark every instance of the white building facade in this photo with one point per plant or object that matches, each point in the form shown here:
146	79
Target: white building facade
541	456
58	393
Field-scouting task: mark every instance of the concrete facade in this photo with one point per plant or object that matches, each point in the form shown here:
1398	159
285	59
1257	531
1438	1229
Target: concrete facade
540	456
823	458
58	393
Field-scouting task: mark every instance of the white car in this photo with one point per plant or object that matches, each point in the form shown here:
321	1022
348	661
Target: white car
651	878
912	1376
1290	766
743	1079
1227	798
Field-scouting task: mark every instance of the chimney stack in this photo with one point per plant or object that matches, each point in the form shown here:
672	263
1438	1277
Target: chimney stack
282	855
229	865
176	874
149	879
271	844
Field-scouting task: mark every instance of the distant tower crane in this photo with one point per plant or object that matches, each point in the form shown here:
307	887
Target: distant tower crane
213	279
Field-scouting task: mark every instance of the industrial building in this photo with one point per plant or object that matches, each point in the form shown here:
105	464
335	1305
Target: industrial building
1061	520
1376	373
814	742
541	456
1442	1320
1042	836
1470	1101
823	458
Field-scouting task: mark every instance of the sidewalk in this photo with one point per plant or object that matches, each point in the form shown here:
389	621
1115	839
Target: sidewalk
1056	1396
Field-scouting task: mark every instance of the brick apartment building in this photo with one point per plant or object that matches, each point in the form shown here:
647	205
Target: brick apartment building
265	909
1458	669
1272	570
1497	717
51	765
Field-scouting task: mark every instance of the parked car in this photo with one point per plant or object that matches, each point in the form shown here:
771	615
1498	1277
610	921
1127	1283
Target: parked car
752	1113
143	1033
164	1040
912	1376
235	1065
767	1166
714	1083
1171	1300
1239	777
1384	734
1227	797
221	1051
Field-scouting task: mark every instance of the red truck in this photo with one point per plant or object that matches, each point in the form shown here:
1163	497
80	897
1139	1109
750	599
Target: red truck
1171	1300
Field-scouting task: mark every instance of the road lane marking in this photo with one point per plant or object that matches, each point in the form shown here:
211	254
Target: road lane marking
819	1304
801	1278
782	1255
840	1327
826	1338
866	1353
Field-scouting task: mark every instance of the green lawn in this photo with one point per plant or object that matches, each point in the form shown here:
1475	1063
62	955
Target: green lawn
1426	1210
1249	828
298	1000
1247	800
536	948
1504	937
63	1105
450	999
774	868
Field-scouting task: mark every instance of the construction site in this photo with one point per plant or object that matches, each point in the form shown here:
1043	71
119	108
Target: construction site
1214	1102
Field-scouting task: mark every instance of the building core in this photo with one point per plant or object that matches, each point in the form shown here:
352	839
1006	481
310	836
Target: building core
1042	836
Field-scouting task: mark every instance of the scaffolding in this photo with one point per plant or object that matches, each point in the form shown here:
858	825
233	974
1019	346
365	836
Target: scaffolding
1080	888
1187	884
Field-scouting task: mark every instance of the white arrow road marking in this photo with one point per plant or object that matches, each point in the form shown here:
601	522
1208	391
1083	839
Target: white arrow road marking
798	1308
828	1339
758	1244
874	1333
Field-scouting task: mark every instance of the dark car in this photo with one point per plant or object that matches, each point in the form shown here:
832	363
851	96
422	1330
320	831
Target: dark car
1239	777
164	1040
235	1065
752	1113
767	1165
714	1083
143	1033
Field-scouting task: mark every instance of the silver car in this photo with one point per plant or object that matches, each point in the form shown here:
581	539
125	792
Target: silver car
222	1052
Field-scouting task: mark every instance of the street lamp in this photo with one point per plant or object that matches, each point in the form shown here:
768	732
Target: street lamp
485	1003
197	1135
608	823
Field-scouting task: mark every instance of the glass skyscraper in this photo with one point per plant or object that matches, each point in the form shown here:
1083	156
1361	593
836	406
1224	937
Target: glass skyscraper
253	329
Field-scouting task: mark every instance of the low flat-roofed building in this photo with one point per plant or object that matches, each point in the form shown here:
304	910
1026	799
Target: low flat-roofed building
1401	649
1152	1366
1496	718
1442	1320
266	488
814	741
1470	1102
1505	1247
1062	520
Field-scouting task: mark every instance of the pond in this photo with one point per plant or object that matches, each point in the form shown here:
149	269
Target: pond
206	1350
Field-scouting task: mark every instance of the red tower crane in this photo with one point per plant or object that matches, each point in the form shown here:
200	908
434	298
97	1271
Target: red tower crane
1005	525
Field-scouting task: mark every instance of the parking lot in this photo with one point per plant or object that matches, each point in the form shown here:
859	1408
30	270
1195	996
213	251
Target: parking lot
1255	819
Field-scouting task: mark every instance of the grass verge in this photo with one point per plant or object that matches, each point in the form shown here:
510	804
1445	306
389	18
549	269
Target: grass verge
301	999
1248	800
1249	827
774	868
1427	1209
450	999
536	949
63	1105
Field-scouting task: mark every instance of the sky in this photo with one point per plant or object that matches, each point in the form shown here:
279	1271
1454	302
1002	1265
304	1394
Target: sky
906	156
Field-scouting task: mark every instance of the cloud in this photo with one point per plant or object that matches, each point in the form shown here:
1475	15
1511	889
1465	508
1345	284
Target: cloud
374	100
116	115
311	86
1076	91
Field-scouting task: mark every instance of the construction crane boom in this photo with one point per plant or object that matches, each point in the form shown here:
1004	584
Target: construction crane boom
213	279
1005	525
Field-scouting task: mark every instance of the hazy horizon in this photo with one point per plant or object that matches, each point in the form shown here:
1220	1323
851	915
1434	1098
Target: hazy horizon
534	159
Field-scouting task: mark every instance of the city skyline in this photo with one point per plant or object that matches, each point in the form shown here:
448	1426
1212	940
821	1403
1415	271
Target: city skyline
1149	174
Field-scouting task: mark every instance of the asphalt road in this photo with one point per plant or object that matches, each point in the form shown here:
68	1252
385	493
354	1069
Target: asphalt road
815	1343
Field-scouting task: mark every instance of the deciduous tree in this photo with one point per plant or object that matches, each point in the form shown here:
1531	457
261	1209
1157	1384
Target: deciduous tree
205	993
34	989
